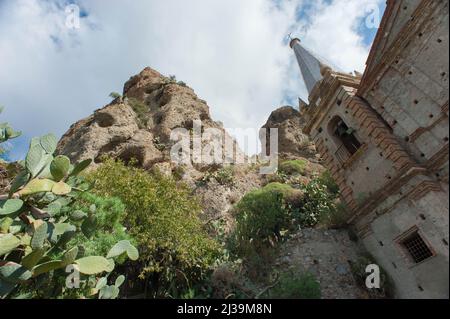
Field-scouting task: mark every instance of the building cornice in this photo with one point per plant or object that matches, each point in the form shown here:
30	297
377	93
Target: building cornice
321	98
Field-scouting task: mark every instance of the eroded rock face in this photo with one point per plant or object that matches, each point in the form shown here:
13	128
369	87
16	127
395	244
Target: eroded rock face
292	142
102	133
139	124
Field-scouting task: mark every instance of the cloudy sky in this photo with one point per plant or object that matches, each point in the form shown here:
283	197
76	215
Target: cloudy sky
233	53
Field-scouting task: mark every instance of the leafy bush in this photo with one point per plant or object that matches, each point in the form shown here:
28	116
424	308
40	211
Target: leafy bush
110	214
141	111
178	172
223	175
115	95
316	203
293	167
294	286
261	215
164	219
159	146
358	269
335	218
38	224
263	218
172	79
326	179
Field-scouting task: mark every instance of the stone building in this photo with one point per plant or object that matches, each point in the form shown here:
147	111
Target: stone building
384	137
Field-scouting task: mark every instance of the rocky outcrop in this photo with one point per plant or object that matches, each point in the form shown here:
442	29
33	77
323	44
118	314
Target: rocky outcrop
292	142
138	125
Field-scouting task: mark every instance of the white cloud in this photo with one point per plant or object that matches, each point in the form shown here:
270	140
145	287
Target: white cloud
232	52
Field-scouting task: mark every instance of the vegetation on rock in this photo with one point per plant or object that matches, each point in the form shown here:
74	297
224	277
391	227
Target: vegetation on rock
296	286
163	217
293	166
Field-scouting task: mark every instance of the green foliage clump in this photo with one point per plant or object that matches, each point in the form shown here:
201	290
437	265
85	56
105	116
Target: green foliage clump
265	216
224	176
163	217
316	203
358	269
109	230
178	172
159	146
141	111
296	286
38	224
115	95
261	215
326	179
293	167
335	218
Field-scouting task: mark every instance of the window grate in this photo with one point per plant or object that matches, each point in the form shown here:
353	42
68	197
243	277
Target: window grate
417	248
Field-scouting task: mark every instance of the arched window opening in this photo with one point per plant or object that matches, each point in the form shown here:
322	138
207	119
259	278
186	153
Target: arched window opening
345	138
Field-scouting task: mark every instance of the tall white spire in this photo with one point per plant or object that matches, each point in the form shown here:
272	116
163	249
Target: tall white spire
310	66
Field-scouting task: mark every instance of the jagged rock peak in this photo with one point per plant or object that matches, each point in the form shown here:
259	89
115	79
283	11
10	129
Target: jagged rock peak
138	125
292	142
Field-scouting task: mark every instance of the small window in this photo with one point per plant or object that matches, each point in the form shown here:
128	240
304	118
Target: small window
416	247
347	137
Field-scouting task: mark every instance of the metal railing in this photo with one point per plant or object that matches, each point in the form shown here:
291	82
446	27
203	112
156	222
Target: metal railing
342	154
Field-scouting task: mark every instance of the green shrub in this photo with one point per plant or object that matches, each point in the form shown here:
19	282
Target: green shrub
294	286
225	175
358	269
115	95
110	214
159	146
262	219
164	219
326	179
178	172
260	215
172	79
141	111
335	218
316	203
293	167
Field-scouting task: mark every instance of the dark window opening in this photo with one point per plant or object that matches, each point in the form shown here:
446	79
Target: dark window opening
347	137
417	248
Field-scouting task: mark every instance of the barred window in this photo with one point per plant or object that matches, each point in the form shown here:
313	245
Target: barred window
417	248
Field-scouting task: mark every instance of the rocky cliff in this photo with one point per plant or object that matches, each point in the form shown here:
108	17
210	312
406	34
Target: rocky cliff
292	142
138	125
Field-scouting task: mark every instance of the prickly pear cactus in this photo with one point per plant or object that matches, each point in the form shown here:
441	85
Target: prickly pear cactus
37	223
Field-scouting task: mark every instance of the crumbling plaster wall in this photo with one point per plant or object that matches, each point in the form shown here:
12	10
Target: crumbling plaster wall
412	95
430	278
